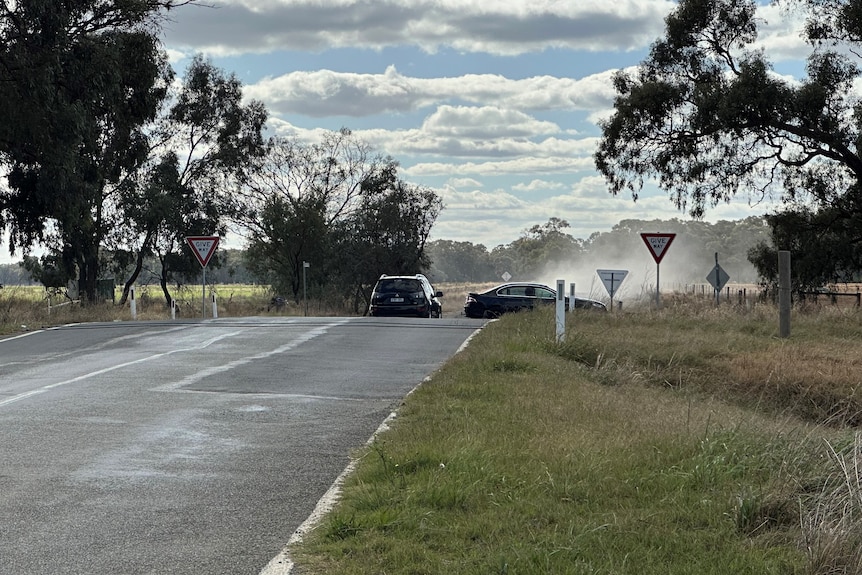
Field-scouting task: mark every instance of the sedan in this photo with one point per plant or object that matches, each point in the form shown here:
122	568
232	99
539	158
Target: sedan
518	296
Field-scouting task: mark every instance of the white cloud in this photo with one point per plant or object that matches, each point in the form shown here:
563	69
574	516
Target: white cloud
521	165
326	93
231	27
458	183
484	122
536	185
781	33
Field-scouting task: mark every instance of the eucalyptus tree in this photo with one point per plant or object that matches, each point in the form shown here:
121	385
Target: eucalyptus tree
707	118
388	234
299	194
202	148
79	81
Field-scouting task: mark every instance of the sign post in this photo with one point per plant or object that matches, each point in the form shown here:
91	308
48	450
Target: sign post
305	266
717	277
658	245
203	247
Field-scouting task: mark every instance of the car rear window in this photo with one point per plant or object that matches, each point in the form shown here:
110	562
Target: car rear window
398	285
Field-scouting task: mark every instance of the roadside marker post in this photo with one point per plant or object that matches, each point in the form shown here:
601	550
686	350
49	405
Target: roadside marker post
658	245
203	247
561	311
784	296
133	306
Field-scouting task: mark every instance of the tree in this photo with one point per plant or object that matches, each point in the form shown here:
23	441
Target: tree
288	233
202	148
542	245
706	117
460	262
79	80
387	235
299	195
818	250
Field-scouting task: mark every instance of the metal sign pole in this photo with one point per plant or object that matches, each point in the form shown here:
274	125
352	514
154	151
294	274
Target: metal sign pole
717	281
204	295
657	292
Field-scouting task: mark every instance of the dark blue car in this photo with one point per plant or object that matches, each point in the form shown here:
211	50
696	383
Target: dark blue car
519	296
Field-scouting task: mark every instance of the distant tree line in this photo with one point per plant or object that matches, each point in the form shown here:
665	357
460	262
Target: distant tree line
543	246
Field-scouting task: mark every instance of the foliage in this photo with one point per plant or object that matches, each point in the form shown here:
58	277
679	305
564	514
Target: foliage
295	198
49	270
542	245
387	235
79	81
459	261
341	208
820	247
202	147
707	117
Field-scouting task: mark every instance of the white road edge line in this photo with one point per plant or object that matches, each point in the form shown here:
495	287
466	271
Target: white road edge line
282	564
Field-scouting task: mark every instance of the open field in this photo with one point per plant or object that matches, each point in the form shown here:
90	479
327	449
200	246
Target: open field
690	440
31	307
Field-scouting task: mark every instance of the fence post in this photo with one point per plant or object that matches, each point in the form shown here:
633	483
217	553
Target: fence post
783	293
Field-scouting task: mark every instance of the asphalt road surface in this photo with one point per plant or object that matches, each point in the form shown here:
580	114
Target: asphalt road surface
190	447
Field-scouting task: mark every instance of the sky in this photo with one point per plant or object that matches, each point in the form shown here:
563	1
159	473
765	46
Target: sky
494	105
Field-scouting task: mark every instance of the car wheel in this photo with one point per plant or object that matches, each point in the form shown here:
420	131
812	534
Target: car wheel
490	314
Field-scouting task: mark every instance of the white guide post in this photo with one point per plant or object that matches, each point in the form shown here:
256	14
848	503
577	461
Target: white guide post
133	305
561	311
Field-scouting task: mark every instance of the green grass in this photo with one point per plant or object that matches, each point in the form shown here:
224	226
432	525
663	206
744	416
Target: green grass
685	441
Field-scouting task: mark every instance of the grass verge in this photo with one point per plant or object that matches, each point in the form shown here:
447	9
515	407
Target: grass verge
654	443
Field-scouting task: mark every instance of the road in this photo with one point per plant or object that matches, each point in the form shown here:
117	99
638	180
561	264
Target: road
190	447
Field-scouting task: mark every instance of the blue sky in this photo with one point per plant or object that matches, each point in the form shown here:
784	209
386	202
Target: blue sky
493	104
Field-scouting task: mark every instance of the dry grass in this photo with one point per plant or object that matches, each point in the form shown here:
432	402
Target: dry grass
454	294
628	448
31	307
832	520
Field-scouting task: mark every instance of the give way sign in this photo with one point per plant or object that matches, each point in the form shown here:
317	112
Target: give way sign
658	244
203	247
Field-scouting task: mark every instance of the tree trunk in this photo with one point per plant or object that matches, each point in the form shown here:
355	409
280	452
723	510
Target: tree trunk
163	281
88	275
139	265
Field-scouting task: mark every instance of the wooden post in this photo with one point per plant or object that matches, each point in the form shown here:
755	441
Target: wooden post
783	293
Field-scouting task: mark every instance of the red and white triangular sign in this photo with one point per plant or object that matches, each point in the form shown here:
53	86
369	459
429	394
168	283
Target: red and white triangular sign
203	247
658	244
